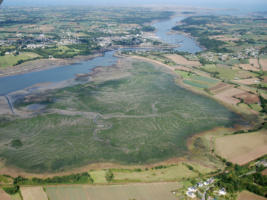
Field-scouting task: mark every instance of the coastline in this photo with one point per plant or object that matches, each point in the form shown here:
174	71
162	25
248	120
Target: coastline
181	84
14	171
43	64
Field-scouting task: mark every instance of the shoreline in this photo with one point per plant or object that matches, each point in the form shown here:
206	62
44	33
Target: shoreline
44	64
181	84
14	171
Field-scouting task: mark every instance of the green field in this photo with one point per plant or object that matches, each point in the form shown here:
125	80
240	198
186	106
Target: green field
155	191
142	117
15	197
11	60
227	73
166	173
174	172
99	176
195	80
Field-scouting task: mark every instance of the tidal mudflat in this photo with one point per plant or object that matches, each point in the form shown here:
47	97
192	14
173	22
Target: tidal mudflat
131	113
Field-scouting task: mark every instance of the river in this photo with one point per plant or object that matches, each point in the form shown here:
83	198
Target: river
14	83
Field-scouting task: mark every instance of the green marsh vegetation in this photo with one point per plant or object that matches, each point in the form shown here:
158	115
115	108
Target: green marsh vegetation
141	117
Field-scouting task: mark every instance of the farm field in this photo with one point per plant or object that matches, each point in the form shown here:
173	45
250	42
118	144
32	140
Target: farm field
180	60
16	197
146	191
263	63
130	120
249	81
227	73
98	176
252	66
245	195
4	195
195	80
242	148
228	94
10	60
33	193
170	173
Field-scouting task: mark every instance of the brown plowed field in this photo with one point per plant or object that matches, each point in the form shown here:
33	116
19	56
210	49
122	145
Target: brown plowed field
180	60
227	95
263	63
248	98
242	148
252	66
33	193
4	196
245	195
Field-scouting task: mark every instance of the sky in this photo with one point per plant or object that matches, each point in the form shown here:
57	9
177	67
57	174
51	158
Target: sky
259	5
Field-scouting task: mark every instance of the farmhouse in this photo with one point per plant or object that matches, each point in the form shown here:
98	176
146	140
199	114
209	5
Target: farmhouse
192	189
261	163
200	184
191	194
222	192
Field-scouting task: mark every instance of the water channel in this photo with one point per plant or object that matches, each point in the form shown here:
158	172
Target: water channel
14	83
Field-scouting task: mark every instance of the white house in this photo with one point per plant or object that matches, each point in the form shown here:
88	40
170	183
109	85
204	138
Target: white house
200	184
191	194
192	189
222	192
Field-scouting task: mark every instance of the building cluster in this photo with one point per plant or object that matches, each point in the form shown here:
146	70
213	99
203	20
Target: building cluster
244	54
261	163
32	41
194	191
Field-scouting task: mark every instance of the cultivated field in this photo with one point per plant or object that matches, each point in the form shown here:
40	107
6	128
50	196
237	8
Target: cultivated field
242	148
227	73
10	60
33	193
228	95
155	191
196	80
170	173
219	88
98	176
4	195
245	195
180	60
249	81
263	63
248	98
252	66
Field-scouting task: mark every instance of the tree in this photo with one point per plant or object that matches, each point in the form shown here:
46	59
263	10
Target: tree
11	190
109	176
